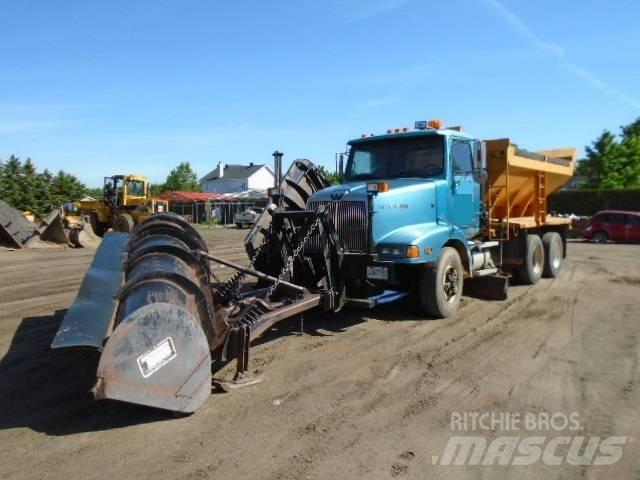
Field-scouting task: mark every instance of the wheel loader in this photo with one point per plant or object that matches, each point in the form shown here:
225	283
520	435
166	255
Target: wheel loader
126	202
421	213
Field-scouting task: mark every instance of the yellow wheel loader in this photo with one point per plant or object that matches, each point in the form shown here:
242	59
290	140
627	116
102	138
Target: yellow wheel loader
126	202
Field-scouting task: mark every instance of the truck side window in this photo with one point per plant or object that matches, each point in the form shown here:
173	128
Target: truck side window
462	157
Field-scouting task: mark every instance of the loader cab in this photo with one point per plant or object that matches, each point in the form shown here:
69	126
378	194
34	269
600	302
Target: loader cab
125	190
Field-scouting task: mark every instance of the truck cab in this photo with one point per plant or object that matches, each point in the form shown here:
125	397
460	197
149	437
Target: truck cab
406	195
417	212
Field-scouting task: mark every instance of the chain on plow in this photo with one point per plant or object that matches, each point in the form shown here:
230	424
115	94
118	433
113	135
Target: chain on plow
291	258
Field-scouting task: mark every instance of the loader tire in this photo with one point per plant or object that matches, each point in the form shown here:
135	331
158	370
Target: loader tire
441	285
123	223
97	226
532	261
553	254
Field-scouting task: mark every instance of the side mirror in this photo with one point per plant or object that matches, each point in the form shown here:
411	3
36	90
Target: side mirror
480	160
481	156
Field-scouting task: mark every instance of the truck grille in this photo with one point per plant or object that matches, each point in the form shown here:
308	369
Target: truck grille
350	221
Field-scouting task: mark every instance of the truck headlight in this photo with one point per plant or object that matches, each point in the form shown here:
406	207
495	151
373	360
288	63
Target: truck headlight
400	251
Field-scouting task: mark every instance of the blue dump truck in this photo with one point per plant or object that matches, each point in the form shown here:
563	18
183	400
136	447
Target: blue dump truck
423	213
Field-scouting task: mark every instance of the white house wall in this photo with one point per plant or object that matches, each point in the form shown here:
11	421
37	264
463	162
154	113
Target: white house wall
261	180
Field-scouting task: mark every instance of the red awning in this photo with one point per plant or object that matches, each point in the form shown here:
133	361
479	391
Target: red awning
192	196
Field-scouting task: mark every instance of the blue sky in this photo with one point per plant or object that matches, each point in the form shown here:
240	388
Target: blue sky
98	87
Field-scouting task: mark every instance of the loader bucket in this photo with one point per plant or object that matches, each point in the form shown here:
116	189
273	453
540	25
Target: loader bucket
52	230
156	334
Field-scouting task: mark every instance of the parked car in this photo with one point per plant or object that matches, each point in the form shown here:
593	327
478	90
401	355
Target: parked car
614	225
248	217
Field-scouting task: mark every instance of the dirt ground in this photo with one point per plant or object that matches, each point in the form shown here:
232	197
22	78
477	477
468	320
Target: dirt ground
362	394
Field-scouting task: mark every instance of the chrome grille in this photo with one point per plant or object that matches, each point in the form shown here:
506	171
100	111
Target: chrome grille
349	220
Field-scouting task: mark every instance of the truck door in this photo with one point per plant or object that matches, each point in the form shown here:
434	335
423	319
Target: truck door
464	207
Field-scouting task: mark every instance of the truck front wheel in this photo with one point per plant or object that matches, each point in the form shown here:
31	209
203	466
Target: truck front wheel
553	253
441	285
533	261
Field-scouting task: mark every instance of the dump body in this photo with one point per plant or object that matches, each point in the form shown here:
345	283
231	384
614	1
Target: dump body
519	183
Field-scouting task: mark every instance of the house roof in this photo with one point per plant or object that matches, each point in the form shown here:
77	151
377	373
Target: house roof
234	172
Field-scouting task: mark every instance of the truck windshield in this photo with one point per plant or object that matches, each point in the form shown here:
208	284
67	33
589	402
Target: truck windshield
395	158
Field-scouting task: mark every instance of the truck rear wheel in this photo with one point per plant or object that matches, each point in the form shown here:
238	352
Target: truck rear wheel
533	261
441	285
123	223
553	254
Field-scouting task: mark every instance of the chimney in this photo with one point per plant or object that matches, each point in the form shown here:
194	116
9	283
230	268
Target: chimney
220	169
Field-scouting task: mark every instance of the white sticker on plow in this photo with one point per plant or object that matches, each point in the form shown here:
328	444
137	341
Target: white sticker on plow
156	358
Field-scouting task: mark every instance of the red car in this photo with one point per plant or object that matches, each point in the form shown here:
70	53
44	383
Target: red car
616	225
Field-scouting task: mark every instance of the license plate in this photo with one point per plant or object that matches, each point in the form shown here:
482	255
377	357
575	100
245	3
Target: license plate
377	273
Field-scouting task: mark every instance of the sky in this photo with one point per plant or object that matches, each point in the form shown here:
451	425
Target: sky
99	88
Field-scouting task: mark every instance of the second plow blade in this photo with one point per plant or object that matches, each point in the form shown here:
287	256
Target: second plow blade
158	356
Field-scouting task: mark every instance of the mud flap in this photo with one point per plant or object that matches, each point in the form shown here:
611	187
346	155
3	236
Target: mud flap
158	356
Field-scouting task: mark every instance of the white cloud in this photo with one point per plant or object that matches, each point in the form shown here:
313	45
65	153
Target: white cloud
521	28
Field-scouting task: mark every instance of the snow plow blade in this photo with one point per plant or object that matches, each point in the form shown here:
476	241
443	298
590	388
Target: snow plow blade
146	303
89	320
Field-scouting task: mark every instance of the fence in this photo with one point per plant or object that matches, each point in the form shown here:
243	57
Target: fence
588	202
207	211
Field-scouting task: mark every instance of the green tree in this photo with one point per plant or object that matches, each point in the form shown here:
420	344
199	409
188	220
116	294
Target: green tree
182	178
43	202
66	188
332	177
9	182
27	184
156	189
613	162
95	192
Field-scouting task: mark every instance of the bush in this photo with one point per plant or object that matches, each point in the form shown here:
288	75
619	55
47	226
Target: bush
588	202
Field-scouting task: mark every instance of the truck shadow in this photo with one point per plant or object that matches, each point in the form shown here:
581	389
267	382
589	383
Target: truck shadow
49	390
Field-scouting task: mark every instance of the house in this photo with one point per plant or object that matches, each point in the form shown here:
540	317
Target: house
237	178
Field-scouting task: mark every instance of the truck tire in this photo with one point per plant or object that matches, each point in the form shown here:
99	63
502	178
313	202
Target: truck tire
98	227
533	261
600	237
123	223
441	285
553	254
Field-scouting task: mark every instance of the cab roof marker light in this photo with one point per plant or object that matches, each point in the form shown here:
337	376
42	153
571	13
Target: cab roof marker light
435	124
420	125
